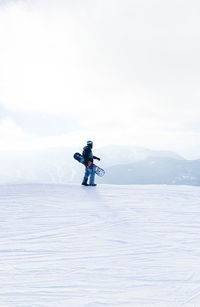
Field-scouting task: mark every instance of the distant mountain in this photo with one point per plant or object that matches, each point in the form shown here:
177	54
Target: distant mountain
56	165
116	154
155	170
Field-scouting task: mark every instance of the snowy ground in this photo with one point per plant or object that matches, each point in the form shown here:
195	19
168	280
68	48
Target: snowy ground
68	245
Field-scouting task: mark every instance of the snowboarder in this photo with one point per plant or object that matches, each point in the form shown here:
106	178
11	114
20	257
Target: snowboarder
89	166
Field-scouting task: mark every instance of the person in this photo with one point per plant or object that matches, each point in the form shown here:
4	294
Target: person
89	166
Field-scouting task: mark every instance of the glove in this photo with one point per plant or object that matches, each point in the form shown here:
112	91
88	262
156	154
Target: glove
98	159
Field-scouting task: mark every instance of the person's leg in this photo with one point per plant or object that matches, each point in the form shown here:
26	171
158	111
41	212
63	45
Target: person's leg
86	175
92	176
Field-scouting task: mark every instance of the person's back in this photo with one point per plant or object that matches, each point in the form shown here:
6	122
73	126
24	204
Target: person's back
87	154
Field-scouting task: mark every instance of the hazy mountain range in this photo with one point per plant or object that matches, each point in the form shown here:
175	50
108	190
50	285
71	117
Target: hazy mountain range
155	170
123	165
115	154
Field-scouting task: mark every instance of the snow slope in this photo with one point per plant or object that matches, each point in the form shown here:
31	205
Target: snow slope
69	245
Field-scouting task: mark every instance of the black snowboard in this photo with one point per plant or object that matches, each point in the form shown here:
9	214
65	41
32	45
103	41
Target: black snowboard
99	171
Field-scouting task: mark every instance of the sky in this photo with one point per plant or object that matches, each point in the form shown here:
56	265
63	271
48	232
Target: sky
116	72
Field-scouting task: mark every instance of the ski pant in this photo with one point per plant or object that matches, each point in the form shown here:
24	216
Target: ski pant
89	172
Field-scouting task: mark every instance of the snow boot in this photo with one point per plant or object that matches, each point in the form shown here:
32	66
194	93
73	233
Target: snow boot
92	185
85	183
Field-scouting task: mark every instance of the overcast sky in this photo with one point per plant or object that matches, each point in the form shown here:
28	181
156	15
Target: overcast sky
116	72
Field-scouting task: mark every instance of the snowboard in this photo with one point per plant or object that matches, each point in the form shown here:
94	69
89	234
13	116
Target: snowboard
99	171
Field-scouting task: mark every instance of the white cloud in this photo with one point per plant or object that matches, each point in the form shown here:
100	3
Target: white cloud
12	137
129	68
39	62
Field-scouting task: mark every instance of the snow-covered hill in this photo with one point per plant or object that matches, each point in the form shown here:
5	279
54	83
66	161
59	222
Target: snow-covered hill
69	245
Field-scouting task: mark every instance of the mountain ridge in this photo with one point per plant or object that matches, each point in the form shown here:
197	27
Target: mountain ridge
156	170
56	165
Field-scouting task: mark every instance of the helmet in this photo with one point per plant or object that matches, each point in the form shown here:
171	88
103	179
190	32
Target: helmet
90	143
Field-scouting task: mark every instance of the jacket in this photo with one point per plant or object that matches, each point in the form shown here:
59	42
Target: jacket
88	155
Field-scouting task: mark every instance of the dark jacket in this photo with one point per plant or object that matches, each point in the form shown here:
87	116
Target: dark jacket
88	155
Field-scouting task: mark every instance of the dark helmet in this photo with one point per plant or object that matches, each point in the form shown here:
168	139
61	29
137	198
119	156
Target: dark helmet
90	143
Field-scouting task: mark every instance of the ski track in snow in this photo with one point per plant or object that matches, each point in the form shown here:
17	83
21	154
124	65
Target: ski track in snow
69	245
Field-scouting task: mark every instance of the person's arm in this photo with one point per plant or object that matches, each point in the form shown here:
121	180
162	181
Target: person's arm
94	157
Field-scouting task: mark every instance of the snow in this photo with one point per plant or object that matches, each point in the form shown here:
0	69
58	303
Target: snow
69	245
